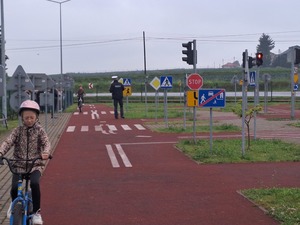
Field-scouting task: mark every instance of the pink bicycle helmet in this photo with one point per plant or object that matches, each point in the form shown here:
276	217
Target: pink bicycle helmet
30	105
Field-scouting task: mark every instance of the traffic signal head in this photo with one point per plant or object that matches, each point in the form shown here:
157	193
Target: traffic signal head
189	52
250	62
297	56
244	59
259	59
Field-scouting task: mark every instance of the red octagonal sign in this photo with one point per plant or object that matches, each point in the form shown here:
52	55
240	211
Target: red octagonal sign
194	81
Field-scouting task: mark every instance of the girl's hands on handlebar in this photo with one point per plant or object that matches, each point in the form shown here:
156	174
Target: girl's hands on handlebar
46	156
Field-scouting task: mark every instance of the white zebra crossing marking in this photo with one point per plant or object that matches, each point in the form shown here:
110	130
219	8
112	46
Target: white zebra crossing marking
126	127
112	127
71	129
108	129
139	127
84	128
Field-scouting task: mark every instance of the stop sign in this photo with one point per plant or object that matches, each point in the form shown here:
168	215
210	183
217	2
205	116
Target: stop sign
194	81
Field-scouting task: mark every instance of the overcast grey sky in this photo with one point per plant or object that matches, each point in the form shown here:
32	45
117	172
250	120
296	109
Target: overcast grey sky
101	36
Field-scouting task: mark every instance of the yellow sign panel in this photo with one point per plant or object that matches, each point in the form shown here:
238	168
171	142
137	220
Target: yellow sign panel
127	91
296	78
192	98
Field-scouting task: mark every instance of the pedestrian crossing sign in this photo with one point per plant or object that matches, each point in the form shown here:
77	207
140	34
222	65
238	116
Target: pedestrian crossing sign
126	82
166	82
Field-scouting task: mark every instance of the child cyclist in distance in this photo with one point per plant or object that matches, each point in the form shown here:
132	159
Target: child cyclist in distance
29	141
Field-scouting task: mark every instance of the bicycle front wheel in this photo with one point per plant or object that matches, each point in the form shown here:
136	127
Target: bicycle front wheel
17	214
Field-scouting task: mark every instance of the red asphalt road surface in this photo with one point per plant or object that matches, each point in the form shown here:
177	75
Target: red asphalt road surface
163	187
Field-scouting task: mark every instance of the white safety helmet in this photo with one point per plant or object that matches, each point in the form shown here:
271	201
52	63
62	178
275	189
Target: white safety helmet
114	77
30	105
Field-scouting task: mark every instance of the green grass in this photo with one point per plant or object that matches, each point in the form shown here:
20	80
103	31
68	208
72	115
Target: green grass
229	151
178	127
10	124
281	203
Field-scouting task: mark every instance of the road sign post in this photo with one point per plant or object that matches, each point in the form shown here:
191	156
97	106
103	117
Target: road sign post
194	81
166	82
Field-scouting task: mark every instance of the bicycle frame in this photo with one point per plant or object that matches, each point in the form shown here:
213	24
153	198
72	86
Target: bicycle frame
80	103
23	197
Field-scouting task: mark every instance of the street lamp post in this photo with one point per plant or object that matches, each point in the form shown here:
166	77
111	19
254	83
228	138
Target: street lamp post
61	54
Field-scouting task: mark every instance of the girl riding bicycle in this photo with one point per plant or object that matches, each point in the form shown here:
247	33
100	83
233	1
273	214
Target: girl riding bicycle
29	141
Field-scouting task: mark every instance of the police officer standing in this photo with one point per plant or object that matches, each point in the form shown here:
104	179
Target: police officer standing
116	89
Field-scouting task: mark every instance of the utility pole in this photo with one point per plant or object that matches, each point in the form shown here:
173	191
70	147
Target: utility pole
145	72
3	72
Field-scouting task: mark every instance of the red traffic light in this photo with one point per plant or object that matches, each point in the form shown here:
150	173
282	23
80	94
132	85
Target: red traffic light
259	59
259	55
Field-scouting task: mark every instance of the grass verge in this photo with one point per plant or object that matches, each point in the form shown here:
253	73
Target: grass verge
229	151
281	203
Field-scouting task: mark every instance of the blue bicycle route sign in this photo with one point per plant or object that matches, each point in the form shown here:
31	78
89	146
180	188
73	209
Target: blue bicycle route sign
211	98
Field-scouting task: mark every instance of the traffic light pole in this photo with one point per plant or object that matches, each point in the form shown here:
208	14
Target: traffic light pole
194	108
293	92
244	101
191	58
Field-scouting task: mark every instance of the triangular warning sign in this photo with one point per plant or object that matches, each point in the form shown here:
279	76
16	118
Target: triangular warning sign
19	79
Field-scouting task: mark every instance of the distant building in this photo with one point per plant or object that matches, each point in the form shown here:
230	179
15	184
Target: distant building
282	58
235	64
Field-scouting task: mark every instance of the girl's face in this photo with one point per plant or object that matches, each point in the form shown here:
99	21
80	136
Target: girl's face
29	118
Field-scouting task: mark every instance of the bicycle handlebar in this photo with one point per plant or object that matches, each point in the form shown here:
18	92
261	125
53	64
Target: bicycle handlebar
30	165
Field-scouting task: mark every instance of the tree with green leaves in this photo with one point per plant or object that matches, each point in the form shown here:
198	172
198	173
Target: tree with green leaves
249	114
266	44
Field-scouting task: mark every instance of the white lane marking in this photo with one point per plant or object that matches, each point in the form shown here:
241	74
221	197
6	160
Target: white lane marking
71	129
112	156
112	127
149	143
94	114
103	112
85	113
100	128
76	113
125	127
84	128
143	136
123	156
139	127
111	112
